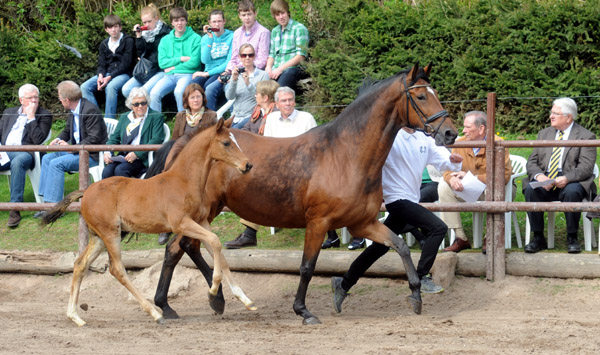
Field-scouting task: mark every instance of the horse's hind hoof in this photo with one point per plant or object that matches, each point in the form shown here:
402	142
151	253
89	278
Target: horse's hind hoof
216	303
170	314
311	321
416	304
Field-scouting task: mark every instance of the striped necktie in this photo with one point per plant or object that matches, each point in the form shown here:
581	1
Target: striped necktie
555	159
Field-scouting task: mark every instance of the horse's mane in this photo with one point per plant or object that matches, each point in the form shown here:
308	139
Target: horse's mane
182	142
369	84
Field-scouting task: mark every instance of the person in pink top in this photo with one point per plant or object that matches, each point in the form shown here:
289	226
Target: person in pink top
250	32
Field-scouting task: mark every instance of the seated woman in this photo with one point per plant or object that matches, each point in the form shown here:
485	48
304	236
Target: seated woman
140	126
265	99
195	115
242	91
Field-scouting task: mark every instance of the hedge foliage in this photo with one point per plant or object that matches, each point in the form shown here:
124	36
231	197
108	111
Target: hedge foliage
534	49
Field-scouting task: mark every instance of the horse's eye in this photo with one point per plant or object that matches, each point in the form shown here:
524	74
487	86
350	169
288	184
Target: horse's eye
422	97
227	143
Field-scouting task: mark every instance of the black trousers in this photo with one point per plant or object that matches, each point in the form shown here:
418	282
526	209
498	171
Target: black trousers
429	192
402	212
573	192
134	169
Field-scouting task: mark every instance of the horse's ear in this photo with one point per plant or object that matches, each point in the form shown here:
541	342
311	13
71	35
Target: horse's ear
219	124
229	122
427	69
414	72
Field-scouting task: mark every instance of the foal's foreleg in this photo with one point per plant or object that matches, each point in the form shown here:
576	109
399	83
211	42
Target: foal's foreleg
82	263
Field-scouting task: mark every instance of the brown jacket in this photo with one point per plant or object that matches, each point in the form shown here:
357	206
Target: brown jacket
476	163
209	118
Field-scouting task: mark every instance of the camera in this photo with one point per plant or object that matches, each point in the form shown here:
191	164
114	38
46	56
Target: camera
142	28
212	29
225	76
241	70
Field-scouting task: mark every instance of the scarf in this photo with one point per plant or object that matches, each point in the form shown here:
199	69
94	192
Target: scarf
258	112
150	34
192	119
134	123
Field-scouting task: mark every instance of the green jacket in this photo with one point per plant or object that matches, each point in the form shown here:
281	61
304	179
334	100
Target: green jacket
171	49
152	132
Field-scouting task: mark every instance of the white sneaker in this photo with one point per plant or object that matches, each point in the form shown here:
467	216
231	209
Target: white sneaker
427	285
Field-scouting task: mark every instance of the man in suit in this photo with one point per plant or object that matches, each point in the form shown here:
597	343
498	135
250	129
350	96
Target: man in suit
569	171
27	124
85	125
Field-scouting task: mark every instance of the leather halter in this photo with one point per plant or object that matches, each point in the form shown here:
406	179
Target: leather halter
427	128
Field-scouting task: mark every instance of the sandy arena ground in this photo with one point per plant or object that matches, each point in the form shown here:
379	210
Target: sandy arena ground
519	315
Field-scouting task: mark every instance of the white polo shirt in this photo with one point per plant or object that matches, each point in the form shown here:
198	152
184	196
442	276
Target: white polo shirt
298	123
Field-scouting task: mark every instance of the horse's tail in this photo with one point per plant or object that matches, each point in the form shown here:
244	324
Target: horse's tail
59	209
160	157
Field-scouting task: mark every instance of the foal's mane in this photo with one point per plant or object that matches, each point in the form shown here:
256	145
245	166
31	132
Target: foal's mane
182	142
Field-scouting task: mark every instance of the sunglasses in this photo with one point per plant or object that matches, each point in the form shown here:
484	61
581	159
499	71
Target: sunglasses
138	104
247	55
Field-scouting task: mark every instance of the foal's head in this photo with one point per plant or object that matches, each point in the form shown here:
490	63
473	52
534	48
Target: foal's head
224	147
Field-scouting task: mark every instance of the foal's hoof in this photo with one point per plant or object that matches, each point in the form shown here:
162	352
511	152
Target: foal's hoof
160	320
251	307
311	321
415	303
217	303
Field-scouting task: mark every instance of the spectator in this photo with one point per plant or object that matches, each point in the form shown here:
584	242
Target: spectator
474	162
401	179
84	126
114	66
243	91
288	122
216	49
288	49
146	44
265	99
429	184
139	126
179	56
568	171
250	32
196	115
27	124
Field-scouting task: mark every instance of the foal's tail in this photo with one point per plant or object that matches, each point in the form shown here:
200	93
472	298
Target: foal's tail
59	209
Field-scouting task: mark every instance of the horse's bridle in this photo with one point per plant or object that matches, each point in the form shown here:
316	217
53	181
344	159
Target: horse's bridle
427	128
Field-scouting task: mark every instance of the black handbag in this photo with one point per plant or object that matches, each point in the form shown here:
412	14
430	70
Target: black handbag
144	70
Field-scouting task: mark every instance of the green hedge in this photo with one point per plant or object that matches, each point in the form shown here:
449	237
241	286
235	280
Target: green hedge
534	49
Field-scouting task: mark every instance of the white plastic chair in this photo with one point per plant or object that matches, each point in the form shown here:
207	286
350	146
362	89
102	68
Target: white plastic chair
589	236
519	168
221	111
96	171
34	174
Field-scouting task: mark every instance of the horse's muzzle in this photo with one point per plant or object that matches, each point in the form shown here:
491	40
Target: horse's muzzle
445	137
247	168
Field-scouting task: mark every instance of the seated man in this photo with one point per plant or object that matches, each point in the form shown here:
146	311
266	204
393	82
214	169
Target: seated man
569	168
475	162
27	124
85	125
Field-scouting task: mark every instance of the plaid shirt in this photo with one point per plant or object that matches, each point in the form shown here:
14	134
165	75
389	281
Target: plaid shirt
286	45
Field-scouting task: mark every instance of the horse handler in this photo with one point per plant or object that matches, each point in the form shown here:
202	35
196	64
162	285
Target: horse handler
402	173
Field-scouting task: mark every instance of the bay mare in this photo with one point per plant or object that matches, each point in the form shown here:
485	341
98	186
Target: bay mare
327	178
117	205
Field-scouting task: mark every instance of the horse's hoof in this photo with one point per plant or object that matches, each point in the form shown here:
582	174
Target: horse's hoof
251	307
170	314
416	304
160	320
311	321
216	303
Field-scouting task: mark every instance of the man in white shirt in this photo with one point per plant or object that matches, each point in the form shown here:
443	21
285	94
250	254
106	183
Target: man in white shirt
285	123
401	179
27	124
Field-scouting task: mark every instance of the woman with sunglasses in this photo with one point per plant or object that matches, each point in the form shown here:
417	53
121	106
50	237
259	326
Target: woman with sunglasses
242	86
139	126
196	115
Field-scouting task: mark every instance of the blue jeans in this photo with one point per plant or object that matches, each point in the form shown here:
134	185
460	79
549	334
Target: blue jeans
134	83
215	95
241	123
168	83
204	82
111	91
54	167
19	163
134	169
290	78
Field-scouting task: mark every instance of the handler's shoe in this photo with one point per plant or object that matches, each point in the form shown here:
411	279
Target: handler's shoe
339	294
427	285
459	245
243	240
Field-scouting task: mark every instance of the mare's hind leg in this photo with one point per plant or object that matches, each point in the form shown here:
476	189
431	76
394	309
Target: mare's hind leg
82	263
113	246
379	233
173	254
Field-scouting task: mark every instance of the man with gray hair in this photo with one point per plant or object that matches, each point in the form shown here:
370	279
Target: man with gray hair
568	173
287	122
474	161
27	124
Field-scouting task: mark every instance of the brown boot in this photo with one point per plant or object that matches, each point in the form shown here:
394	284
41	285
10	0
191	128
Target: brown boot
458	245
484	246
14	218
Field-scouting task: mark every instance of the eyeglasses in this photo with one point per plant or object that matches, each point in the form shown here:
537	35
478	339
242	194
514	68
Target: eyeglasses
557	114
31	97
247	55
138	104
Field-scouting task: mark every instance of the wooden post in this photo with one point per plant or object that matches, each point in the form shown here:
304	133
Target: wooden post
84	181
498	250
490	153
